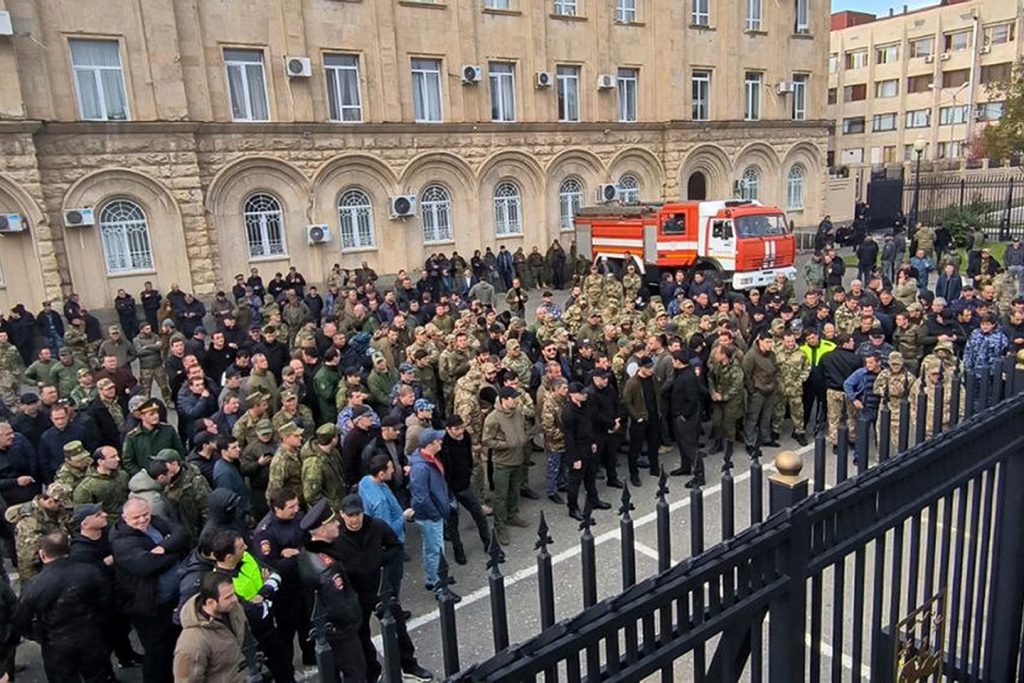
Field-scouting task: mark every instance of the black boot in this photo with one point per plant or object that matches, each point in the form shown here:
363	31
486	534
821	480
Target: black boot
575	513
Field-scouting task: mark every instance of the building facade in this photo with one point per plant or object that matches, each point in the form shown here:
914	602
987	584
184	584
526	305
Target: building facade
184	142
922	75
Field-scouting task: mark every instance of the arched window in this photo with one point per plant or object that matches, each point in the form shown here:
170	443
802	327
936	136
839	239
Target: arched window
436	215
570	199
355	214
750	184
629	189
125	235
795	187
508	210
264	226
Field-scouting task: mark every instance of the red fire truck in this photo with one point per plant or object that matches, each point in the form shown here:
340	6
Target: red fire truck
746	243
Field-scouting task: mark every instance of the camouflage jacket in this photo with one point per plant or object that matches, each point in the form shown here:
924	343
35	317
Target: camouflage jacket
551	423
793	369
322	477
285	470
110	491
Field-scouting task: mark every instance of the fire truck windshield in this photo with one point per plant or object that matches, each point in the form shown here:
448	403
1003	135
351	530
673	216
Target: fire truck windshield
766	225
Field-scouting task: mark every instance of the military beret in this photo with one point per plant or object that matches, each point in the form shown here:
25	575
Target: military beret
152	405
264	427
85	510
318	515
289	429
74	450
167	455
326	432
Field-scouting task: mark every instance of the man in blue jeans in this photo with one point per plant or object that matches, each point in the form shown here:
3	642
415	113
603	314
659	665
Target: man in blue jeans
431	501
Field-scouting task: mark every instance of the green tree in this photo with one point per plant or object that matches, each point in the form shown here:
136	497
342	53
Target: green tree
1005	138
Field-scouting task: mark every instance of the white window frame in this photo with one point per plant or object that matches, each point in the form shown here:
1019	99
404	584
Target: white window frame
755	15
567	81
497	4
263	217
913	118
887	54
700	12
570	200
953	36
626	11
795	184
628	82
917	45
95	73
833	63
566	8
953	115
629	188
248	77
799	110
700	94
124	233
889	87
508	209
502	79
750	183
752	83
425	78
802	11
884	119
335	73
1003	31
355	220
855	59
436	215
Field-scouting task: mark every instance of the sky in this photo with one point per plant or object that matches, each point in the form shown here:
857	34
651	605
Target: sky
879	7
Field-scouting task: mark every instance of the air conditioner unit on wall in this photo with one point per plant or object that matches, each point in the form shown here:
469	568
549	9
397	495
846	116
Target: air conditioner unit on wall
945	56
403	206
985	49
12	222
544	79
784	87
318	234
608	193
928	59
298	67
79	218
471	74
605	81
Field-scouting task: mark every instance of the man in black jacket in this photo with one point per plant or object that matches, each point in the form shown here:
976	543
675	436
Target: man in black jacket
457	457
581	451
684	396
147	551
66	608
836	366
608	414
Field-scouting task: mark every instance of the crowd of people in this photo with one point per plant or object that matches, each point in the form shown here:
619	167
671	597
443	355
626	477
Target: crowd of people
218	476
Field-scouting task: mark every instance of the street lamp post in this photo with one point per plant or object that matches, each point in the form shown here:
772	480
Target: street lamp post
919	146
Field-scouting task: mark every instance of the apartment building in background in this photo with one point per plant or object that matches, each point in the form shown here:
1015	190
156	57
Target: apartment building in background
184	142
921	75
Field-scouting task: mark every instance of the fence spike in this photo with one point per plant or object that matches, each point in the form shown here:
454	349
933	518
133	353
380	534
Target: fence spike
626	500
543	538
727	464
495	554
496	586
446	601
662	484
588	517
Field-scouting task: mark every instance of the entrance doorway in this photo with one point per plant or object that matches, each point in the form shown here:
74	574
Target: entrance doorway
697	187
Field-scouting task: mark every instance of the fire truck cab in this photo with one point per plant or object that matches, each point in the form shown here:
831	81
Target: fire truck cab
746	243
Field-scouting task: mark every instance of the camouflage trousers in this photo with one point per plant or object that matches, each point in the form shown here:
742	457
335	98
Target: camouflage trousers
149	375
724	416
795	403
834	400
894	427
9	392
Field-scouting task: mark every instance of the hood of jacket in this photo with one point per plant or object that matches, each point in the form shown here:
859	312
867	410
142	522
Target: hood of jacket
222	507
141	482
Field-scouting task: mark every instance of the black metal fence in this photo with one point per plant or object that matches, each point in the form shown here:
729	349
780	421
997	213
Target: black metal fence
1000	194
916	560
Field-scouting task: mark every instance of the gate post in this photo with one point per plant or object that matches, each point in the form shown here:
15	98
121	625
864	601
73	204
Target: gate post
1008	577
786	647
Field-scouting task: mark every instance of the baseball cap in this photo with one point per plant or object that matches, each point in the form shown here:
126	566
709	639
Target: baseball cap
85	510
264	427
576	388
391	421
508	392
428	436
28	398
360	411
406	367
326	432
352	504
167	454
289	429
74	450
423	404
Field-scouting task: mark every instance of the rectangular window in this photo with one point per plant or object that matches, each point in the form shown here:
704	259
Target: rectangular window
833	63
342	72
958	41
753	15
918	118
952	115
853	125
922	47
855	93
799	112
950	150
625	11
887	88
883	122
700	91
887	54
700	12
803	18
99	81
502	77
889	154
426	90
996	73
856	59
247	85
833	96
955	79
996	34
628	83
497	4
922	83
565	8
853	155
989	111
752	95
568	79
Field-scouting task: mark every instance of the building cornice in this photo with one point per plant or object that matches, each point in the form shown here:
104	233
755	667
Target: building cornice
19	126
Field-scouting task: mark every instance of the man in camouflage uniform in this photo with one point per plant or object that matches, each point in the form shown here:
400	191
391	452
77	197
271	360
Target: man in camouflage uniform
46	513
84	393
185	488
593	285
473	409
631	283
925	237
293	411
554	437
11	370
612	291
893	384
517	362
65	372
262	379
245	428
944	354
847	316
149	438
535	265
286	465
453	365
75	466
932	375
255	463
105	482
793	372
149	348
322	475
728	394
906	339
425	375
